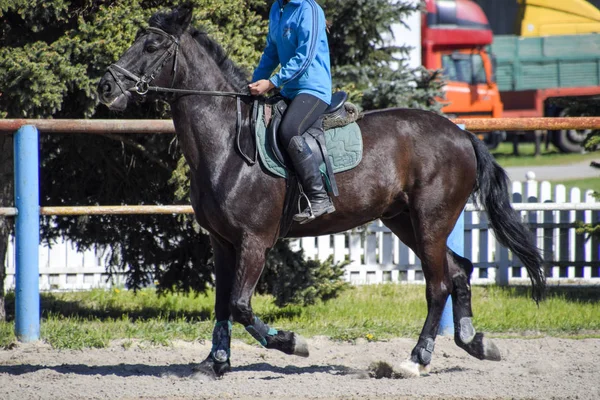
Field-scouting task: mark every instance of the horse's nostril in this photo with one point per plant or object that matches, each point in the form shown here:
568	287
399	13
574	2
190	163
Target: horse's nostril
106	88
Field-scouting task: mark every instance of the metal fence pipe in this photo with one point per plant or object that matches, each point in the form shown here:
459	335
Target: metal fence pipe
93	126
8	211
183	209
114	210
545	207
528	124
100	126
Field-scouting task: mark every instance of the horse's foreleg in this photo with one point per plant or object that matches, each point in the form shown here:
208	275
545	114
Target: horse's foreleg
217	363
465	336
250	263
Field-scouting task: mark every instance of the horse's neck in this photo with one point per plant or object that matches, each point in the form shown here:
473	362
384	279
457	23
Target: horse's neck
206	125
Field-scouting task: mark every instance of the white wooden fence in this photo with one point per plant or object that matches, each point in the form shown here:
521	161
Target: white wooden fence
377	256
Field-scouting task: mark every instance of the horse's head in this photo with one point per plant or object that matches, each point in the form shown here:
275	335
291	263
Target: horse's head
147	60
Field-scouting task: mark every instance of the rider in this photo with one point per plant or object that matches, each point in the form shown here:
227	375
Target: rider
297	41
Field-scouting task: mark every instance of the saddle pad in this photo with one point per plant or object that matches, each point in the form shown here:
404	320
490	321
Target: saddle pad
344	147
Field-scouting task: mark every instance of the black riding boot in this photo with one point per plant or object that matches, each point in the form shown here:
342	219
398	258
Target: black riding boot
305	164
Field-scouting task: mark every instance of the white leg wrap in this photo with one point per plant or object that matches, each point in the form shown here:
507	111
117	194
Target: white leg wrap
467	331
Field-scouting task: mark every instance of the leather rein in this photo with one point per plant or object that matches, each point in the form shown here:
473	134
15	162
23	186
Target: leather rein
142	85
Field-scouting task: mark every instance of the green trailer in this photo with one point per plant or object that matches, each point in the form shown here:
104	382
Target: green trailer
531	63
534	73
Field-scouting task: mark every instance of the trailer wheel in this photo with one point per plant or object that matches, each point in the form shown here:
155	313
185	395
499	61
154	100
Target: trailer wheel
570	140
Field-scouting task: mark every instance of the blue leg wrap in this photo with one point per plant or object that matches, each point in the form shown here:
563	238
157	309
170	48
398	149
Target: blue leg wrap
259	331
221	341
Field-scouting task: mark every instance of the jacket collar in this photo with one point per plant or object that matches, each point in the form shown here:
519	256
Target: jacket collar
295	2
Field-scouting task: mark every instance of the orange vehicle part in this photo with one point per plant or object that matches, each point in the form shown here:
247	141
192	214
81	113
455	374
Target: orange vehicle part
453	39
469	91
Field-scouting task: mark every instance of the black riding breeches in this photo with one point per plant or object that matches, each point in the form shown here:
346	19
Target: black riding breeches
304	111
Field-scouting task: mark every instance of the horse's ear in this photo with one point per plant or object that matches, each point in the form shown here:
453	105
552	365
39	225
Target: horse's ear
182	15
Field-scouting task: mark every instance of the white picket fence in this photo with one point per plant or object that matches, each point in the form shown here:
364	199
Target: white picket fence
377	256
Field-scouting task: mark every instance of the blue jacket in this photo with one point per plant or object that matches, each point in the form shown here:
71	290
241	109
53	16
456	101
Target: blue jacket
297	40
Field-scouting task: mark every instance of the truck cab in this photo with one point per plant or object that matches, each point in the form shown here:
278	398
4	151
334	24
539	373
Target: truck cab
454	38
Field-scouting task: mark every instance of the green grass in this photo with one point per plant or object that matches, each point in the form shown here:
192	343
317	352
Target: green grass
504	156
583	184
93	319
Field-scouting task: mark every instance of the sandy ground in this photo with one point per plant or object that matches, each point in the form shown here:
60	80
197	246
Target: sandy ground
547	368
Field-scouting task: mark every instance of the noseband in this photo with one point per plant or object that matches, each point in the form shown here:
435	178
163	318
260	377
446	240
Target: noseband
142	84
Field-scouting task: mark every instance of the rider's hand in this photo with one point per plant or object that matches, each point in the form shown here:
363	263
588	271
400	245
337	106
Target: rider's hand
260	87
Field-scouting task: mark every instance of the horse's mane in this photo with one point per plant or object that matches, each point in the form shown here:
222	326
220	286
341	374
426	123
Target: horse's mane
234	74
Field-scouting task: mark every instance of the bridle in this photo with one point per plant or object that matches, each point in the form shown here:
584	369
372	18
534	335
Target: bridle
142	83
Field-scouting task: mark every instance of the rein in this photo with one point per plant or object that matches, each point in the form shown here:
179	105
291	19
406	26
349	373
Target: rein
142	85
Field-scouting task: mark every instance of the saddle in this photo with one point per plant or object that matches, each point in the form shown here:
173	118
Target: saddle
339	147
336	115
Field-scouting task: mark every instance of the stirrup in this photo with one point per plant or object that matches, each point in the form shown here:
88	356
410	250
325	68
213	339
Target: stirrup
327	208
300	210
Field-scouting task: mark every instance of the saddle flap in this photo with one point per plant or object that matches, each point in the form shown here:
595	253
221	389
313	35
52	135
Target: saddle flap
277	112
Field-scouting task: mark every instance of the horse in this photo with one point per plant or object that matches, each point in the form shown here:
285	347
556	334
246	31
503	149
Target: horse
417	173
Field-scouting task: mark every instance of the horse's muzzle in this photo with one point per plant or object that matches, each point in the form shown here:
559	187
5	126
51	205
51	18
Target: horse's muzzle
110	94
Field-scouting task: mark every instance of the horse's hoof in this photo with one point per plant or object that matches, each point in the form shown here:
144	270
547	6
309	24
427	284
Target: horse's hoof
481	347
490	351
410	369
211	369
288	342
300	346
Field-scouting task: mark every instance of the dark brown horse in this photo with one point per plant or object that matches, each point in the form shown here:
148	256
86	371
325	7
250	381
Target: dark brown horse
417	173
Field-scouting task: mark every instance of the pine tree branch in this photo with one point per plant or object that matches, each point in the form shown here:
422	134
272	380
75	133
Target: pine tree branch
135	145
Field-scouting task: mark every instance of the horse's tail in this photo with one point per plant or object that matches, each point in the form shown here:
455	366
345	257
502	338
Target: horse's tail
492	188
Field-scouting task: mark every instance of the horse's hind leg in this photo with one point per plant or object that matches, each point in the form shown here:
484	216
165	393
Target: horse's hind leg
465	336
429	243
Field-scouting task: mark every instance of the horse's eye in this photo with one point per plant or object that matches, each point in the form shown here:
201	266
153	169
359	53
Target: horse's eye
151	49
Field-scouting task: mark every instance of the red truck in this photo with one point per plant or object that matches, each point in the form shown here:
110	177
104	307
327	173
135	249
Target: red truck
490	76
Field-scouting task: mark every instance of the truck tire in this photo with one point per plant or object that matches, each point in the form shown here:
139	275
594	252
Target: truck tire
569	140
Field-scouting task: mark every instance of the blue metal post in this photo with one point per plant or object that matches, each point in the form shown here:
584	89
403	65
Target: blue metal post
456	242
27	238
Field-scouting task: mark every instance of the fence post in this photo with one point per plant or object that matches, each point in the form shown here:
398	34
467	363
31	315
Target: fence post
456	242
27	234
